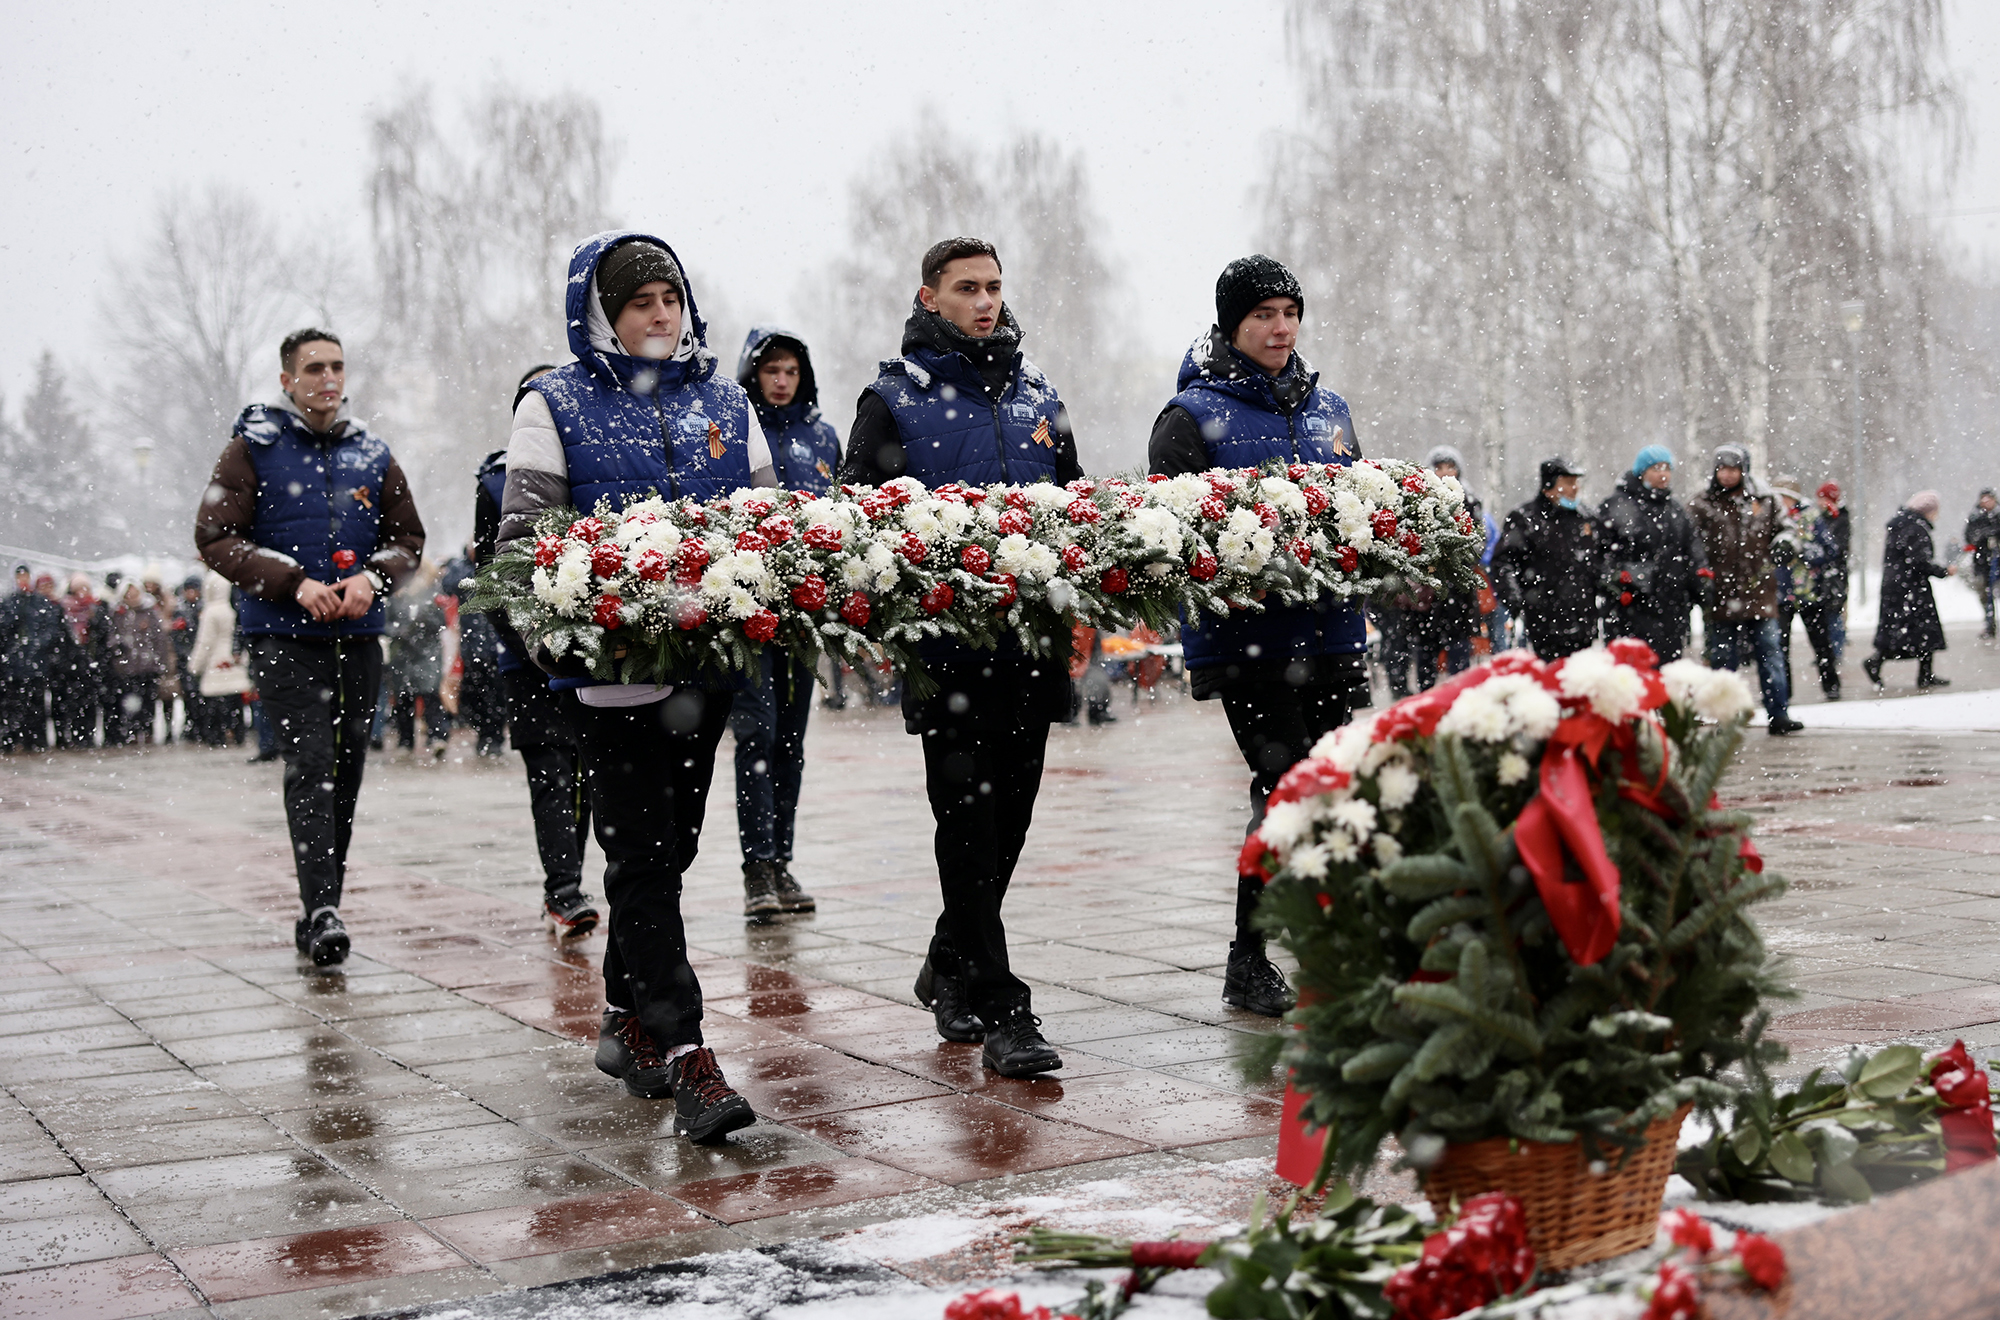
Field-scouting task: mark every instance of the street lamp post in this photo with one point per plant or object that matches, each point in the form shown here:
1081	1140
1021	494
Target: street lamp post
1851	316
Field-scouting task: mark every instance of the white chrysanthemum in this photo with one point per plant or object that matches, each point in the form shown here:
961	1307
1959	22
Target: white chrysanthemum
1398	784
954	517
1371	482
1479	714
557	591
854	572
1381	754
1347	745
1285	824
1513	768
1243	522
878	556
1011	555
1233	547
1613	690
746	567
741	604
1309	861
989	515
1355	815
1157	529
885	577
1719	695
1450	489
662	536
1533	709
1183	494
1048	495
924	518
1284	496
910	486
1042	563
1387	850
1340	846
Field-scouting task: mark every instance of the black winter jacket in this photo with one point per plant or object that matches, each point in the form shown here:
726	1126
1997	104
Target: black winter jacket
1908	627
32	632
1548	565
1652	566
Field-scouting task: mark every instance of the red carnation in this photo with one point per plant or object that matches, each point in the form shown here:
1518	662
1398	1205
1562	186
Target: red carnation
1256	859
343	560
689	615
1221	485
877	507
651	566
975	559
1631	651
1463	521
606	613
974	495
1349	559
914	548
898	495
1411	545
1157	477
1763	1260
1204	567
694	515
1083	512
1624	598
1213	509
586	529
1074	558
1015	522
547	550
856	609
1081	486
1006	580
1297	472
1482	1256
1383	523
1301	551
1114	581
810	594
1317	500
938	599
1016	500
1676	1295
1625	576
606	561
690	560
1268	515
1131	499
777	529
761	626
1688	1229
823	536
1414	483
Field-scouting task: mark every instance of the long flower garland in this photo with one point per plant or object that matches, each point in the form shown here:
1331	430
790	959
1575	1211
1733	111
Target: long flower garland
659	589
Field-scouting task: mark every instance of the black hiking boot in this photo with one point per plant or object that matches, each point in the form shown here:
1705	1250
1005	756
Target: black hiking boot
647	1076
1015	1048
945	998
760	890
323	939
704	1106
791	898
1872	667
1252	982
568	914
614	1056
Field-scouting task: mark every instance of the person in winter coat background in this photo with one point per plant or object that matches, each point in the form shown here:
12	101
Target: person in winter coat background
963	404
221	673
1742	533
140	653
75	696
1824	534
1288	675
768	715
1982	541
309	513
32	636
1908	627
641	412
542	726
1549	562
482	704
1653	561
416	626
1454	617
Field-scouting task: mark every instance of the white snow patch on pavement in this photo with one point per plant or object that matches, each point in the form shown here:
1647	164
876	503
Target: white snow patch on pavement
899	1241
1957	712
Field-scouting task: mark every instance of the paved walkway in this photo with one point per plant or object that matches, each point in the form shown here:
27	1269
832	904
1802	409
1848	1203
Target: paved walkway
199	1121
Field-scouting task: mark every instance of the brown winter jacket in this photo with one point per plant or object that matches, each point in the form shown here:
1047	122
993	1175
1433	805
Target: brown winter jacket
1740	531
222	529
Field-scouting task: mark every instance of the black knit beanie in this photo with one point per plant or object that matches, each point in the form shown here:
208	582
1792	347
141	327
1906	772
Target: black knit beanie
626	268
1247	281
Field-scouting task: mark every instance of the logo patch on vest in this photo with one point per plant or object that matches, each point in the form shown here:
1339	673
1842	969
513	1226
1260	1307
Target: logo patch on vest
1315	424
1041	436
714	440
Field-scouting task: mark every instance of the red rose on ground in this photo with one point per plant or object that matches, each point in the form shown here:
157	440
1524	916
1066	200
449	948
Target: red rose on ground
1213	509
1382	522
605	561
587	529
1676	1295
1083	512
1074	558
1300	550
992	1304
823	536
1015	522
856	609
975	559
1317	500
605	615
651	566
343	560
777	529
1688	1229
689	615
938	599
810	594
1967	1119
913	548
1114	581
1006	580
1763	1260
1268	515
1348	558
1204	568
761	626
547	550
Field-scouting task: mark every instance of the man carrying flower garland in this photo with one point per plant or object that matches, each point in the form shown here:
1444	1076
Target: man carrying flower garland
641	412
963	405
310	515
1288	675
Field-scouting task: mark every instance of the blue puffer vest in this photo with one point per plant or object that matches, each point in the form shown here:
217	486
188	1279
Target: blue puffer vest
952	432
1243	424
632	427
317	494
805	449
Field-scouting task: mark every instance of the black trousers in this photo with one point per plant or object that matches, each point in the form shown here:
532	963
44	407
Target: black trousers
649	769
769	721
1820	616
320	698
24	712
1276	725
984	741
545	736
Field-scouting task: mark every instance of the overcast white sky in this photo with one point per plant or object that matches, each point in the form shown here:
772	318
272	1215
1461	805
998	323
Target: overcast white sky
740	124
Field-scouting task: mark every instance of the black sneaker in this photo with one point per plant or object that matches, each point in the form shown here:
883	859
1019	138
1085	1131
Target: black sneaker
1254	983
704	1106
1783	728
326	939
945	998
614	1056
1015	1048
791	898
647	1076
568	914
760	890
1933	682
1872	667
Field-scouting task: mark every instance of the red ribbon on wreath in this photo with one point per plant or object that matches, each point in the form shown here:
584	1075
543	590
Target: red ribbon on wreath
1559	826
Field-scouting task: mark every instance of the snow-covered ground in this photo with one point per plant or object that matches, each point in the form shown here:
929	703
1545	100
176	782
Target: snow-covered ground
1937	712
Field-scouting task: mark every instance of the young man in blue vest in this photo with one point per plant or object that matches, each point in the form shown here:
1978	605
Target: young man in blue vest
1287	675
310	515
641	412
541	725
769	716
962	404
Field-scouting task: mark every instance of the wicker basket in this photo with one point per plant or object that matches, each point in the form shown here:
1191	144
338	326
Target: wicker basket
1574	1215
